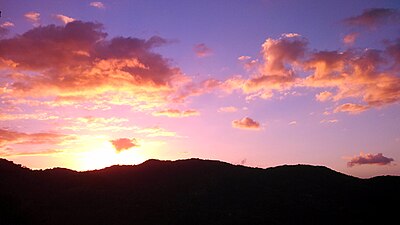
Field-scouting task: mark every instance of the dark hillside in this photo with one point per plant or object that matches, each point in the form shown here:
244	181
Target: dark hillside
194	192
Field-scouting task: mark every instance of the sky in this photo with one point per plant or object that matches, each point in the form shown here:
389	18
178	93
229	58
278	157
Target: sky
86	84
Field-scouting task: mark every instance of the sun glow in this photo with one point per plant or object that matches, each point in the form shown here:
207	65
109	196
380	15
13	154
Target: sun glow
103	154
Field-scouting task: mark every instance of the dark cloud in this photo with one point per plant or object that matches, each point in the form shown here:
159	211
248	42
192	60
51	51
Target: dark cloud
374	17
365	159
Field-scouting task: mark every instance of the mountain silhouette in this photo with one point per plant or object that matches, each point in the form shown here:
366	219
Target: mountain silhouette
194	191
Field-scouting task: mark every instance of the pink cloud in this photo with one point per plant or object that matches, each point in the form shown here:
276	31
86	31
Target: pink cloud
202	50
98	5
246	123
8	137
32	16
7	24
64	19
124	144
323	96
369	159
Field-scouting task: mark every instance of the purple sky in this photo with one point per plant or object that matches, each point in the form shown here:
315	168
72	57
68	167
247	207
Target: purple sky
85	85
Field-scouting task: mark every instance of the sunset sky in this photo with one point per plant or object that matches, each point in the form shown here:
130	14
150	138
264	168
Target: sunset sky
85	85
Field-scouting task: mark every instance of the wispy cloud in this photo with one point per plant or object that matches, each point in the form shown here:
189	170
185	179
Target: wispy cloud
374	17
351	108
7	24
228	109
8	137
177	113
202	50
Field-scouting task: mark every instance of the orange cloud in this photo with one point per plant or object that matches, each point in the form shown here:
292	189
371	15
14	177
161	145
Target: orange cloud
176	113
274	73
202	50
373	17
351	108
246	123
350	38
124	144
370	159
77	62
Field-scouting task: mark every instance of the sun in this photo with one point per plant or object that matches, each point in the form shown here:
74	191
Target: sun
102	154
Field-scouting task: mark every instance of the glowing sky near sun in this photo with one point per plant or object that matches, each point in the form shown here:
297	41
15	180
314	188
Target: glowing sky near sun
85	84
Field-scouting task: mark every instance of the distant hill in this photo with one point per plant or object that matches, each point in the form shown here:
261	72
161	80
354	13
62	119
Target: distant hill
194	192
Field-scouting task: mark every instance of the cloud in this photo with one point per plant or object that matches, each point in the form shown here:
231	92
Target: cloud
64	19
228	109
349	39
323	96
176	113
33	16
368	159
202	50
157	132
351	108
27	116
98	5
124	144
246	123
11	152
329	121
248	63
294	122
368	76
91	123
274	72
373	17
7	24
8	137
77	63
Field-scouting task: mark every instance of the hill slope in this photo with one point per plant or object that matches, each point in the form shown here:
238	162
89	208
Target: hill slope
193	192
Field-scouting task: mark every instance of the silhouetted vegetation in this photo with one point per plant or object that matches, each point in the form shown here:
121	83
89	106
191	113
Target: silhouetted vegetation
194	192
